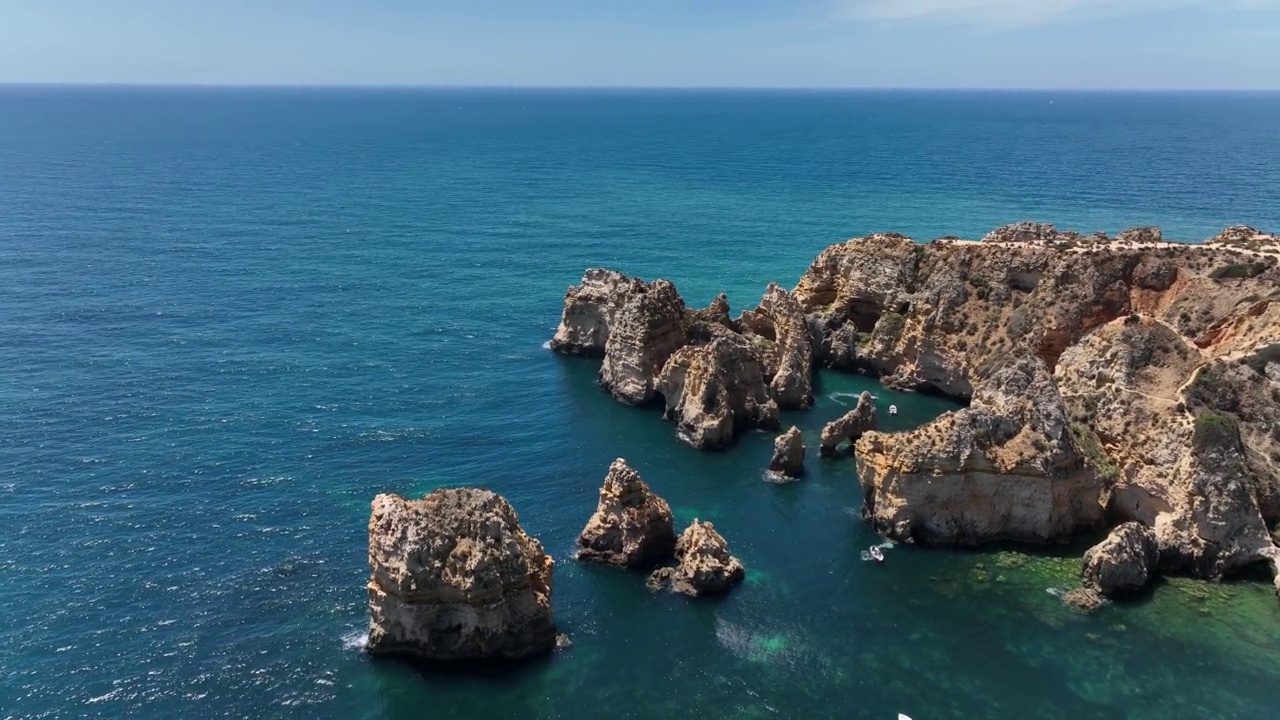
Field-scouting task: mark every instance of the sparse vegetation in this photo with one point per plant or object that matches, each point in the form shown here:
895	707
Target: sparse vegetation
1214	430
1091	447
1238	271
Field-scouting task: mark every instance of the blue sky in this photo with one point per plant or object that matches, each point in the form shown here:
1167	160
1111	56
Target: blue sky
1151	44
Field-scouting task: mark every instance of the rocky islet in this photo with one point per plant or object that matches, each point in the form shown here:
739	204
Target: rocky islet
454	577
788	455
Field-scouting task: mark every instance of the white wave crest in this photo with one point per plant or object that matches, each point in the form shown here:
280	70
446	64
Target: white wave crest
355	640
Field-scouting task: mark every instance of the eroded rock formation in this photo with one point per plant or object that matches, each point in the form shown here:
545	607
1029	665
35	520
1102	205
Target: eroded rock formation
1005	468
715	381
852	426
788	454
643	334
632	527
1125	563
705	568
717	390
1085	600
589	310
455	577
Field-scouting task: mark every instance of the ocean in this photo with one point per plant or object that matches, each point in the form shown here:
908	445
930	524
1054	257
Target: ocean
230	317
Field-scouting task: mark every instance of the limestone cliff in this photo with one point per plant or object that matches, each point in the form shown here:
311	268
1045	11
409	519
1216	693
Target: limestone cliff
1143	337
928	316
455	577
589	310
1004	469
645	331
779	328
705	568
632	527
1153	405
1092	366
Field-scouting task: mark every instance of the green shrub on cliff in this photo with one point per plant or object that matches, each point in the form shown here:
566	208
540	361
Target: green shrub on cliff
890	326
1215	430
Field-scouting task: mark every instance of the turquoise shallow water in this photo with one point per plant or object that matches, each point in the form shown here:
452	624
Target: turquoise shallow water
228	318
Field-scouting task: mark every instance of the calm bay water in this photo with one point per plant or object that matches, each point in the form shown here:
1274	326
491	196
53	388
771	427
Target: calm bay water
228	318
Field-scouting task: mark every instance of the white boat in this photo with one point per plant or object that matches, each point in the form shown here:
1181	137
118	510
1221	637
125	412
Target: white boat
876	553
893	409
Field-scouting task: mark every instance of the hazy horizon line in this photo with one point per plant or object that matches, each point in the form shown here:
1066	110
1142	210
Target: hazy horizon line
623	88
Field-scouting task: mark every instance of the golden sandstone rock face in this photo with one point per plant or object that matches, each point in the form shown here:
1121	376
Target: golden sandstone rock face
1131	378
645	331
1005	468
1146	341
714	381
632	527
454	577
781	331
705	568
788	454
1123	563
717	390
589	311
852	426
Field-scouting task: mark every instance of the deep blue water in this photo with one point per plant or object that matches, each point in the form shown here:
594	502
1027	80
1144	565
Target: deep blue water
228	318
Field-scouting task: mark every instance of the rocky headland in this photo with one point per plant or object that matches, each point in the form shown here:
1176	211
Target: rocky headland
1107	381
455	577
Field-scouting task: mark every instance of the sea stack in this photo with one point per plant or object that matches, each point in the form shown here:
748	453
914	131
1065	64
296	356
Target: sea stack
632	527
1124	563
781	332
716	390
706	567
455	577
788	454
854	424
